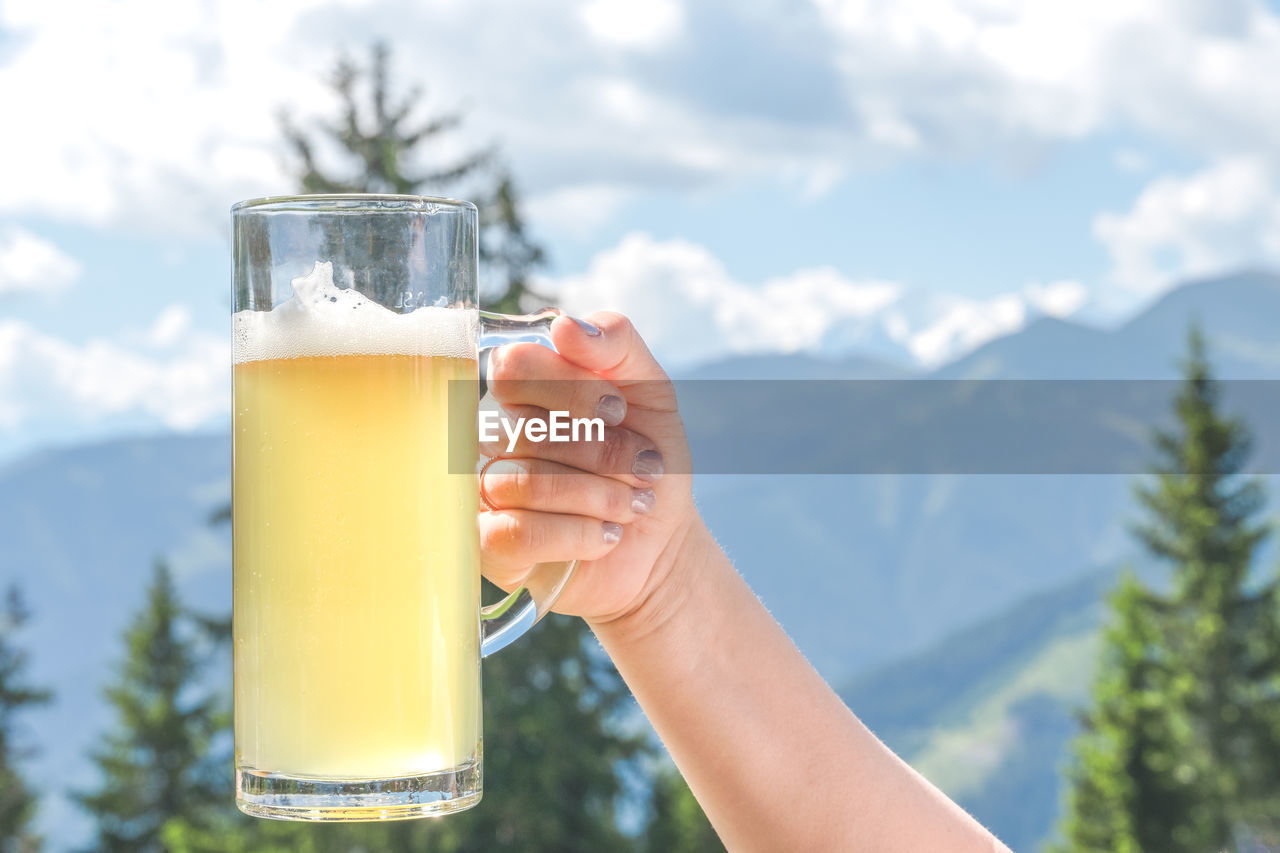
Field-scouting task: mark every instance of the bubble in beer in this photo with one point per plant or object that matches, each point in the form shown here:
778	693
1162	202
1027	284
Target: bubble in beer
323	319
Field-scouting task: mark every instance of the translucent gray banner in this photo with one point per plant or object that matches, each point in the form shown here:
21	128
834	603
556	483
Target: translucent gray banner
924	426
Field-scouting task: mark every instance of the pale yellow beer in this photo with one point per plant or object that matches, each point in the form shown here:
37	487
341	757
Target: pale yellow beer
357	577
358	628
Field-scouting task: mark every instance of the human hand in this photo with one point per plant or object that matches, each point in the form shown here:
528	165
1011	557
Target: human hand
610	505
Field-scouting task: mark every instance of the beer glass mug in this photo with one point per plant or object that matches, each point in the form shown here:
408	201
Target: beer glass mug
358	629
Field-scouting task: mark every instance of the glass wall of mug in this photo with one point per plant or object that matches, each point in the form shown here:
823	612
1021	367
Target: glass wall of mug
355	552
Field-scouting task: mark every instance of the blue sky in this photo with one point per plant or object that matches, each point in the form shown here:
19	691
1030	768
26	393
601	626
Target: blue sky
905	178
974	228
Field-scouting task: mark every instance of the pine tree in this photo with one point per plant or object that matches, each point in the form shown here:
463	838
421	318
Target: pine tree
234	832
1182	751
17	800
1137	775
160	761
1222	630
506	250
677	823
554	716
382	145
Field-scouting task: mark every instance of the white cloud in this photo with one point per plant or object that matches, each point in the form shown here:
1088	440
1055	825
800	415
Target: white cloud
176	377
169	326
145	114
626	23
691	310
1057	298
576	211
29	263
675	292
954	325
1226	215
969	74
168	113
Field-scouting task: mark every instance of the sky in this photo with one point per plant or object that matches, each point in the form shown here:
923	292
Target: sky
904	179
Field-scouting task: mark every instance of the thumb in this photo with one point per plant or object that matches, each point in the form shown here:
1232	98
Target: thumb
606	343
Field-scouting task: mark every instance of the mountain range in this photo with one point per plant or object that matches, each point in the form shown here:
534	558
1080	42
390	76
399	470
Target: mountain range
958	613
1239	311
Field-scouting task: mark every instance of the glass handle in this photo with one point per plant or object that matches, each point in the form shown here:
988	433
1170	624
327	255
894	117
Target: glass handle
503	622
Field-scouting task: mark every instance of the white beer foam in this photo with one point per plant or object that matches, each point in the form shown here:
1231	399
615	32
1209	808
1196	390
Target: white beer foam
321	319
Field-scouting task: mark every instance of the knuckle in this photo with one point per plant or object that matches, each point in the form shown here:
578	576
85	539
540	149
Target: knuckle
612	452
590	540
498	366
508	533
495	533
534	533
583	397
542	487
509	368
615	500
576	494
521	482
507	482
517	532
613	322
519	360
550	489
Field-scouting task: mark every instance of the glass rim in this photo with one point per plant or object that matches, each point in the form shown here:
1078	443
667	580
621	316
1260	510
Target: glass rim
351	202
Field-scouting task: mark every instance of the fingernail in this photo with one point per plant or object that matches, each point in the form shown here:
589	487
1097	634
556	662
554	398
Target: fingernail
612	533
647	465
586	327
642	501
611	409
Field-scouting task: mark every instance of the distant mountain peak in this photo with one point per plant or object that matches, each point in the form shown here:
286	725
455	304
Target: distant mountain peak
1239	313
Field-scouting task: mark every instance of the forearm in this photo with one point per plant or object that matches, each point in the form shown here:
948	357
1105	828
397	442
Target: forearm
772	754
